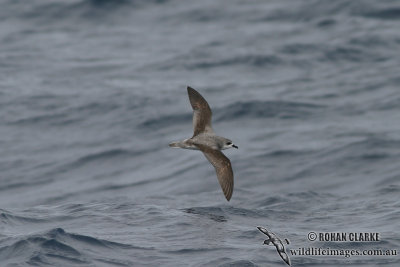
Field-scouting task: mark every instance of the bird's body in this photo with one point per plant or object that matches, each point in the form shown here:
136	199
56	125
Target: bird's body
275	241
208	142
207	139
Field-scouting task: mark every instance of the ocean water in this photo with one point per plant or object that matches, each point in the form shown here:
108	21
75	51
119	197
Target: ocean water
92	92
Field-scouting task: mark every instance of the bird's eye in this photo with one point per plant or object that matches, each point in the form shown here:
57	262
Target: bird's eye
229	143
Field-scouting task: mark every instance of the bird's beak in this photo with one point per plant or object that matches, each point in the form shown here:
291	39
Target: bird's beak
235	146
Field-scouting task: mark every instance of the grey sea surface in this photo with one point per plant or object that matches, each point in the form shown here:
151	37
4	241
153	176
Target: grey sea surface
92	92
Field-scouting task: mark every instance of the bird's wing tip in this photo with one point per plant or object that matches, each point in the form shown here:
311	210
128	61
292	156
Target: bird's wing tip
262	229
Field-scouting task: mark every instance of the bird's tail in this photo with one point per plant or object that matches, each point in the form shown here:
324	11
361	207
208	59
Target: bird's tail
175	144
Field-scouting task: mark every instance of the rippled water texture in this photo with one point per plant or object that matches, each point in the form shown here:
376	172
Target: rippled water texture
92	92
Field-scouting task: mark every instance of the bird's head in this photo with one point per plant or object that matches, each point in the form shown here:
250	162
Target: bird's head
228	144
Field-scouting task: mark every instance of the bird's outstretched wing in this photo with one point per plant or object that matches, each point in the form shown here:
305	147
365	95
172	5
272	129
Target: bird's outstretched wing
263	230
223	168
201	112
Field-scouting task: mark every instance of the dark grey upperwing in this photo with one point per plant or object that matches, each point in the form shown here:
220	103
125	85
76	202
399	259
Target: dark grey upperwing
284	256
264	231
223	168
201	112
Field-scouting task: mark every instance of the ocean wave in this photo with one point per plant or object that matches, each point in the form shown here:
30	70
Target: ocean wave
389	104
359	157
53	119
300	48
7	217
196	61
198	15
18	184
81	9
214	213
53	110
305	11
268	109
256	61
285	153
392	13
239	110
240	263
283	207
348	53
166	120
59	247
100	156
369	149
105	154
266	208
